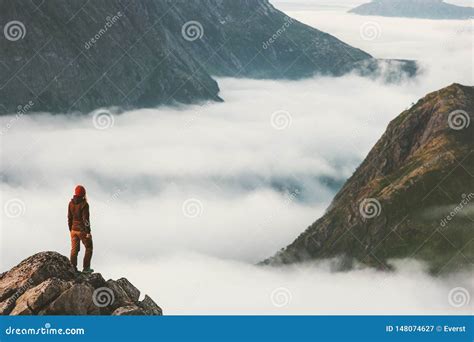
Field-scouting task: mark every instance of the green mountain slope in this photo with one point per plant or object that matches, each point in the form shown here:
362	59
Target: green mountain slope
412	197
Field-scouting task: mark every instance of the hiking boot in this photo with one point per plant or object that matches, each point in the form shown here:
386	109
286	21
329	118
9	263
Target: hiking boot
87	270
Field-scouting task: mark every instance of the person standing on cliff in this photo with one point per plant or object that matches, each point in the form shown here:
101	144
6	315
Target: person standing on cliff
80	228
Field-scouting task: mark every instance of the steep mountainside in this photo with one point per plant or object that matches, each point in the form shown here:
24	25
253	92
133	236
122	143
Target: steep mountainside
412	197
66	56
429	9
81	55
47	284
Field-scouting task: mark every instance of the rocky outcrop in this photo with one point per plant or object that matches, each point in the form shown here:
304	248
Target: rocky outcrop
47	284
429	9
60	56
412	197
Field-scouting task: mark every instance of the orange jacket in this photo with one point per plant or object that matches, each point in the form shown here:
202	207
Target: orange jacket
78	215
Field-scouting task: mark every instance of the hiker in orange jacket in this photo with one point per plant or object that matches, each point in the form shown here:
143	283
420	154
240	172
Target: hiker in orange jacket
80	228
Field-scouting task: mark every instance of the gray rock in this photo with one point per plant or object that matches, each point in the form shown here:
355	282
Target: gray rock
129	310
121	297
39	296
132	292
150	307
34	270
47	284
7	306
77	300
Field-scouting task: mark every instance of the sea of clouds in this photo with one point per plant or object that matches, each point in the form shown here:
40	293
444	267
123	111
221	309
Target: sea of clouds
184	201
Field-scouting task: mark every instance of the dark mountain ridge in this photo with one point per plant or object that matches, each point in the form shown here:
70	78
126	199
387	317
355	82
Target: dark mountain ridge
61	56
400	201
427	9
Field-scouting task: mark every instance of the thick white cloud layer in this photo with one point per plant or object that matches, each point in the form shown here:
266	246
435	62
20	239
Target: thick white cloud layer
185	200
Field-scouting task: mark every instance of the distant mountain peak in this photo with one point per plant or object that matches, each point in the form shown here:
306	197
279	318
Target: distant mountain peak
428	9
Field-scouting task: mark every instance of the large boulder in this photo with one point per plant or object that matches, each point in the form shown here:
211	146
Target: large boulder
47	284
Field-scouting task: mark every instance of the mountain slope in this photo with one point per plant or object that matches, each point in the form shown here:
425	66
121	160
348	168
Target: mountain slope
413	195
47	284
429	9
62	56
249	38
81	55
